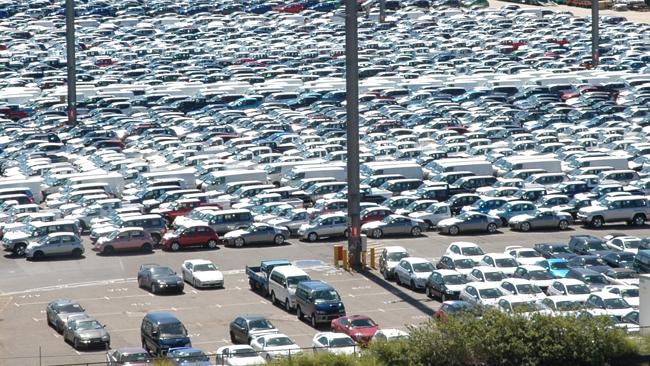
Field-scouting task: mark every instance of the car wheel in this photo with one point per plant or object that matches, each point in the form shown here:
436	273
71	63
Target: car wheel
155	238
491	228
287	305
19	249
154	289
428	292
232	338
279	239
563	224
384	273
377	233
597	222
443	298
175	247
274	301
454	230
194	283
638	220
428	225
412	285
146	247
108	250
299	313
312	237
75	343
239	242
76	252
346	233
525	226
416	231
38	256
212	244
398	280
313	320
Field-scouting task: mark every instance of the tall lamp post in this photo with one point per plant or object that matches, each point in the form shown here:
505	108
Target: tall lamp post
70	61
595	38
352	119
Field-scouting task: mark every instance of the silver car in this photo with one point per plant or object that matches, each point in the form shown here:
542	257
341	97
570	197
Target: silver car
58	312
631	209
257	233
330	225
393	225
86	333
542	219
414	272
57	244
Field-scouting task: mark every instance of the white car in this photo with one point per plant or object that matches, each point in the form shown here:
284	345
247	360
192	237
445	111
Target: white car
522	287
481	293
389	334
336	343
202	273
523	256
271	346
612	304
625	244
629	293
238	355
413	272
433	214
389	259
522	305
563	304
537	275
468	249
460	263
486	274
503	262
569	286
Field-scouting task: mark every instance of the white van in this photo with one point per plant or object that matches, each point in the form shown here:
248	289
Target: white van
549	164
299	173
598	161
283	281
113	179
275	171
33	183
217	181
186	174
405	169
476	166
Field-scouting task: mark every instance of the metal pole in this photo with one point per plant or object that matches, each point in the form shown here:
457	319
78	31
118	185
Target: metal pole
70	61
352	117
382	11
595	38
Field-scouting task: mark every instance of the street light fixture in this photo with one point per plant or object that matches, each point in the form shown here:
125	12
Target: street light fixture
70	61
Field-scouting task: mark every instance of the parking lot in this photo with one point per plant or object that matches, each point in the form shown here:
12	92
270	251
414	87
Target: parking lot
106	287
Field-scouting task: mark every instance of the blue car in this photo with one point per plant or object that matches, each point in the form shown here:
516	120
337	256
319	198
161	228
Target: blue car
557	267
188	356
259	9
484	205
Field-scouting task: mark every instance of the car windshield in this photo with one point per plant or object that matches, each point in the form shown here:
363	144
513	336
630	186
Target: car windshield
191	355
260	324
505	262
624	275
326	296
135	357
626	256
292	282
455	279
597	279
342	342
632	292
634	243
113	234
464	263
559	249
423	267
616	303
472	251
88	325
528	289
205	267
490	293
579	289
539	275
162	271
71	308
528	254
363	323
559	265
568	305
172	330
243	352
493	276
396	256
279	341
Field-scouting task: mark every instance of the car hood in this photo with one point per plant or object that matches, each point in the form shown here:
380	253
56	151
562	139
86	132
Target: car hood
235	233
449	221
520	218
371	225
209	276
542	283
260	332
169	235
528	261
455	288
15	235
365	331
92	333
592	209
245	361
349	350
291	347
168	279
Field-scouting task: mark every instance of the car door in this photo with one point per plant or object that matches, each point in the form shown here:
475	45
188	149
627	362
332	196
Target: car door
402	271
67	244
186	270
436	283
475	223
53	246
264	234
240	330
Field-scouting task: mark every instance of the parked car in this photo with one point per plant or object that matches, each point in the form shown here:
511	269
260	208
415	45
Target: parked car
541	219
124	239
190	236
270	346
58	311
54	245
128	356
393	225
245	328
360	327
444	284
336	343
469	222
202	273
389	259
86	333
257	233
159	279
236	355
413	272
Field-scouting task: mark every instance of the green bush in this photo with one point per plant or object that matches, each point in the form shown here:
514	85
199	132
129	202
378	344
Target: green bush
327	359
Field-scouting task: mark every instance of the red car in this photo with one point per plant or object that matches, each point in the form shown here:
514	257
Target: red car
191	236
290	8
360	327
375	214
180	208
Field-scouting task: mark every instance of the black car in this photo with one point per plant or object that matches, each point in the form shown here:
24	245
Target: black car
159	279
458	201
593	262
247	327
619	259
584	244
444	284
594	280
554	250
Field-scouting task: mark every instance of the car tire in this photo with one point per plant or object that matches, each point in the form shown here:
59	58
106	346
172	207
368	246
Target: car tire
154	289
156	239
232	338
146	247
19	249
313	321
287	305
638	220
412	285
346	233
524	226
312	237
274	300
454	230
108	250
239	242
416	231
194	283
492	228
279	239
384	274
443	298
398	280
75	343
563	225
212	244
428	292
37	256
376	233
428	225
175	247
299	313
597	222
76	252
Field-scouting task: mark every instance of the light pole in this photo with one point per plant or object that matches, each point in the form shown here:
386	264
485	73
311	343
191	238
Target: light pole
352	119
595	38
70	61
382	11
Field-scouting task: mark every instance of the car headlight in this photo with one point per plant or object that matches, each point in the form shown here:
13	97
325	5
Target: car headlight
106	338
